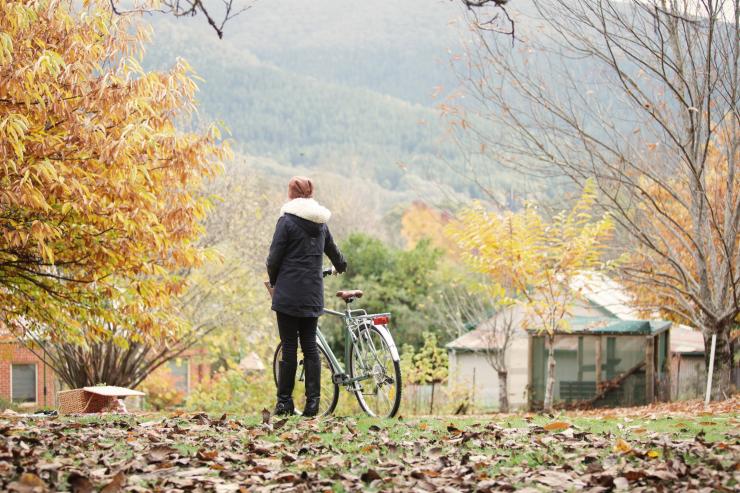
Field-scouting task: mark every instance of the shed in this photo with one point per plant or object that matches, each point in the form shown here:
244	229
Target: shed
602	322
603	362
688	365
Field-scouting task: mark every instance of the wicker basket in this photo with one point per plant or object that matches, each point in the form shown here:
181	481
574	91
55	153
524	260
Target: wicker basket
81	401
100	398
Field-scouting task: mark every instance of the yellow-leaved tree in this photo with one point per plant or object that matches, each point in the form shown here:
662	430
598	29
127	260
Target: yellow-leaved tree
532	261
100	201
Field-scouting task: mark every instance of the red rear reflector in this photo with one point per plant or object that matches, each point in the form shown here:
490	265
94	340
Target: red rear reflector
381	320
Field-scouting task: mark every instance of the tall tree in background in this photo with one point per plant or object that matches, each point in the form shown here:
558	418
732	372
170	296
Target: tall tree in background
641	96
533	262
100	201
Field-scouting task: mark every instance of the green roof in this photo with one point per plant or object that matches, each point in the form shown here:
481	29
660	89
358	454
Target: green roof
613	325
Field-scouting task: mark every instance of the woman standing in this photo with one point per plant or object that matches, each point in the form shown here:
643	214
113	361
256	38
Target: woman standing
294	266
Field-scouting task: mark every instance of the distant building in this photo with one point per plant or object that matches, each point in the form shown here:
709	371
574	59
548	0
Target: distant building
189	370
28	381
609	357
688	366
251	363
25	379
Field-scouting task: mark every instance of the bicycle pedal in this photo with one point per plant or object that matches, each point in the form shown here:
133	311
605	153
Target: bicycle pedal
338	378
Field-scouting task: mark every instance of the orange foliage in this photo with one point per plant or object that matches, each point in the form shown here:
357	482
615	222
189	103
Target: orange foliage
686	242
100	196
421	221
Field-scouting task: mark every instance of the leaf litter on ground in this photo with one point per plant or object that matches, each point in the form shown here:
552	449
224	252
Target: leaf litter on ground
196	452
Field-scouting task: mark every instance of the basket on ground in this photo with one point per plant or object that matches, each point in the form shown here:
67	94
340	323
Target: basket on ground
92	399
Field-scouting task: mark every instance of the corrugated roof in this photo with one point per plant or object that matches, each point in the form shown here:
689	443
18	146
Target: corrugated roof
485	336
251	362
608	312
607	293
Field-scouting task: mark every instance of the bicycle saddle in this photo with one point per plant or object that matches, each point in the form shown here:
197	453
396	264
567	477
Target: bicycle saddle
349	295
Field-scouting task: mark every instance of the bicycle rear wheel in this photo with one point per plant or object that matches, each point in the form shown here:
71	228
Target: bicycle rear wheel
380	393
329	391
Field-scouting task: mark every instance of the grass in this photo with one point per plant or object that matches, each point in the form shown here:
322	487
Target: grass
361	443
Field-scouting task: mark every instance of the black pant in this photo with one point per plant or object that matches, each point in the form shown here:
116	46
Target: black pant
294	328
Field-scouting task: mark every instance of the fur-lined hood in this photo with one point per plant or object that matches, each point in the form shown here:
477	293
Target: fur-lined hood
307	209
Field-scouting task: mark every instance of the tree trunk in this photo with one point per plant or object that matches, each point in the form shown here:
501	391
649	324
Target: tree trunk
722	377
503	391
550	382
431	401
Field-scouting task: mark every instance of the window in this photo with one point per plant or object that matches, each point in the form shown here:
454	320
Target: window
23	383
180	370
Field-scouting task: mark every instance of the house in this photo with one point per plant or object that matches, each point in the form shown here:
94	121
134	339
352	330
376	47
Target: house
189	370
608	357
251	364
28	381
25	378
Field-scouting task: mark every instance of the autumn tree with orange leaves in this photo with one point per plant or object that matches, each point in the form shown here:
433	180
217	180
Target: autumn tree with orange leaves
696	252
100	197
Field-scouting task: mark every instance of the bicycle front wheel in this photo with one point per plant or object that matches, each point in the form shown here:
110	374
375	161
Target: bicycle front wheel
379	390
329	390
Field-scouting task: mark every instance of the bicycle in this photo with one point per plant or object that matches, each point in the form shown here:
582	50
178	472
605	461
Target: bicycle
373	362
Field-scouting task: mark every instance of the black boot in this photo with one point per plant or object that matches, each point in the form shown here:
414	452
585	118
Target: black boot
286	380
313	387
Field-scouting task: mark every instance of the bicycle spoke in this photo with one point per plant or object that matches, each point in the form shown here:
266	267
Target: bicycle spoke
378	396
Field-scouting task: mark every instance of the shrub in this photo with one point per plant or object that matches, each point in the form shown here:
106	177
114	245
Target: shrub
161	390
233	391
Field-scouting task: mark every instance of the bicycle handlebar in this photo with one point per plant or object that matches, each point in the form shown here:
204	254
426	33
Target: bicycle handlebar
328	272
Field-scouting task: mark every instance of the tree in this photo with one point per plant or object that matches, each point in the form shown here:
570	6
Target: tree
215	17
431	365
463	298
532	262
421	221
398	281
467	305
634	95
100	201
108	361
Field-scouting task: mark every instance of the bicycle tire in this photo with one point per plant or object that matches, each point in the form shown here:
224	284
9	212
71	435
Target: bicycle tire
397	375
334	399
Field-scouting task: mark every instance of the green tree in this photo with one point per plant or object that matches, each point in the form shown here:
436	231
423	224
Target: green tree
430	365
398	281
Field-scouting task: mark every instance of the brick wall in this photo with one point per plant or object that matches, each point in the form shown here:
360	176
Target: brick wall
200	370
11	353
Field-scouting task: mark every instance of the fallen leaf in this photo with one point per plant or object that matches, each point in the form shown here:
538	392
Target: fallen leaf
207	454
370	475
159	453
80	484
556	426
622	446
116	484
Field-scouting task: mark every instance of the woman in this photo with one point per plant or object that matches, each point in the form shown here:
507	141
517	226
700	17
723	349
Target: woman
295	269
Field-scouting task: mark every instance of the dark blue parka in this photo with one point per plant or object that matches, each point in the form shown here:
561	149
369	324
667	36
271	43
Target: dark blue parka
295	262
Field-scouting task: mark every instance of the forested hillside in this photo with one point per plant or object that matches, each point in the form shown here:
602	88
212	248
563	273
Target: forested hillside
341	100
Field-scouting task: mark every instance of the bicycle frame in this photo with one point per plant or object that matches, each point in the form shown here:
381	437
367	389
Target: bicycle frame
352	322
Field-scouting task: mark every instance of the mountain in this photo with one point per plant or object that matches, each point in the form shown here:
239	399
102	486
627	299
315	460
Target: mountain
334	87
